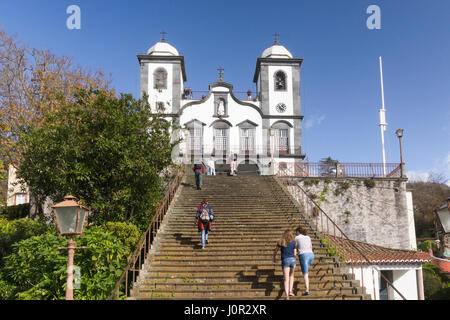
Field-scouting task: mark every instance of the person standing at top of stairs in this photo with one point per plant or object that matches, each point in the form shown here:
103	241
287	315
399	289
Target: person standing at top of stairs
204	218
199	169
211	167
233	164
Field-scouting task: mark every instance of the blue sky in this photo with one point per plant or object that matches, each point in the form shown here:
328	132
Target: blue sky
340	81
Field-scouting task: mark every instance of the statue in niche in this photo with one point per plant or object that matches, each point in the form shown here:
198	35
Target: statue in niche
221	108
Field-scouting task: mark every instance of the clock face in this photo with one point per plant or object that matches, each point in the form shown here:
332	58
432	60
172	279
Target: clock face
281	107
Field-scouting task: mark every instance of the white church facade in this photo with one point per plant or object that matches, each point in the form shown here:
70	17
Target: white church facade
262	129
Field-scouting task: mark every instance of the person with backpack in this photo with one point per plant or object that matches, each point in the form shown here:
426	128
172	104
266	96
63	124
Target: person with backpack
199	169
305	254
204	219
288	261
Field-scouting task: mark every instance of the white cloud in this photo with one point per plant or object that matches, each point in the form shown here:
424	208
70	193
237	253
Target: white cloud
442	168
314	120
416	176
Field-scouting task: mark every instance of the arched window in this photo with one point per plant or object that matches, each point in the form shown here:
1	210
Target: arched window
221	138
280	81
282	136
160	78
195	142
247	134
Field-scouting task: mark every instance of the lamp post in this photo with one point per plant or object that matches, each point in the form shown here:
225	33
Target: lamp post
399	134
70	218
442	215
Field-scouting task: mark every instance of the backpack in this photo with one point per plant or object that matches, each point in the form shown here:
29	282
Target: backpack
204	214
197	166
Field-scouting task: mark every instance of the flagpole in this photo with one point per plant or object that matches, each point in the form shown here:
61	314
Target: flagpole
383	123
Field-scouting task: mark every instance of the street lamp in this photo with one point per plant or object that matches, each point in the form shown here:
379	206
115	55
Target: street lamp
442	215
70	218
399	134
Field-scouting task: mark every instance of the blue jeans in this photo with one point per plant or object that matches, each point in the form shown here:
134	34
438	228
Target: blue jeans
212	171
305	261
288	263
198	179
204	237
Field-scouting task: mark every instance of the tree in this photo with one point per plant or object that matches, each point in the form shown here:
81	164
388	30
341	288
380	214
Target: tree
106	151
34	83
427	196
327	167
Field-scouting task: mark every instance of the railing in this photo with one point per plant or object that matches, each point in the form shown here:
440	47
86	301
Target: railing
249	148
354	170
323	224
198	95
136	261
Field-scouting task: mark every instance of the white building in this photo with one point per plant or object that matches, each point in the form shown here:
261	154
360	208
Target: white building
264	127
16	192
372	265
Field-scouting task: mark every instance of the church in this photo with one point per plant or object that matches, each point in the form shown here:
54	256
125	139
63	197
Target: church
262	128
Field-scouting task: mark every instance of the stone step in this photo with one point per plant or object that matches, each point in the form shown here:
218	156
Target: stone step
263	268
231	260
240	277
232	293
215	238
211	248
210	284
224	251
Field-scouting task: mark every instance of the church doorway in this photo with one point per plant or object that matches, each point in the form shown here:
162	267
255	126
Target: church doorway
221	145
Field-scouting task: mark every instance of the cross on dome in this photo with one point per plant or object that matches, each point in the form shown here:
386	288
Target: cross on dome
276	35
163	36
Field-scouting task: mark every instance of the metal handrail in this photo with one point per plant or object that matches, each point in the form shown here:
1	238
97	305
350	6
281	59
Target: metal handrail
355	170
139	256
316	210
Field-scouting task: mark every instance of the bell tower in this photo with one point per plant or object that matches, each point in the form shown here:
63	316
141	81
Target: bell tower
162	76
277	78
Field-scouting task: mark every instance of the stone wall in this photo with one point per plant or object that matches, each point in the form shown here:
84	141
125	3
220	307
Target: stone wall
369	210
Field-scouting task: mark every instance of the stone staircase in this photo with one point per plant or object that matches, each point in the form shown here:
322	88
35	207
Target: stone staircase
251	213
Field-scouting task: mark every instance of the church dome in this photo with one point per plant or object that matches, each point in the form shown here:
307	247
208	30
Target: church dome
162	49
276	51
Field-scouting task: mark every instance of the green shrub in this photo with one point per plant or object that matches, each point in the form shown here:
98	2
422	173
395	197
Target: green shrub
15	212
436	285
369	183
128	233
37	270
17	230
101	264
425	246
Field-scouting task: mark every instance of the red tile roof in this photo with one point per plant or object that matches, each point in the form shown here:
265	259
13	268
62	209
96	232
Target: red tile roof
376	254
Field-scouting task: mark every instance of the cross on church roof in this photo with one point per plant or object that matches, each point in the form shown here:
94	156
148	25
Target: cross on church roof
276	35
163	36
220	73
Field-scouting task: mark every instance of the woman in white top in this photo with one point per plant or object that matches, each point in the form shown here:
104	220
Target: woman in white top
212	166
305	254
